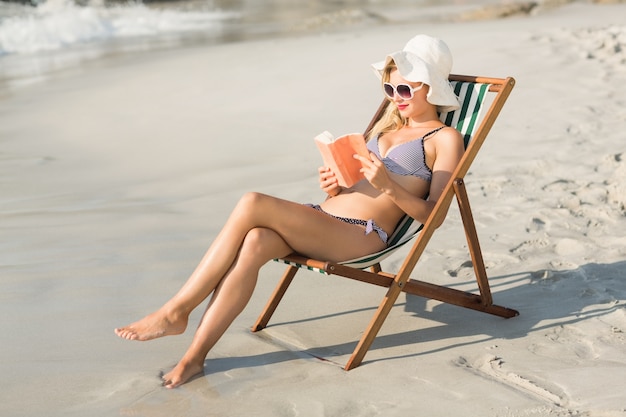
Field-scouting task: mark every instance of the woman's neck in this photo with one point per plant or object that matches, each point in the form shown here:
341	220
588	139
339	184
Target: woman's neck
427	119
413	124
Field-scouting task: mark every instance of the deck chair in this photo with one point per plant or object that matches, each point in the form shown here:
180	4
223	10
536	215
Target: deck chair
474	93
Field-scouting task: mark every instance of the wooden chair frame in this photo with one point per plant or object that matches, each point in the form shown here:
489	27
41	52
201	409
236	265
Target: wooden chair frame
401	281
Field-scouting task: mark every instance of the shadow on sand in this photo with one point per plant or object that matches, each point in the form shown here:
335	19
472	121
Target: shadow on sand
544	298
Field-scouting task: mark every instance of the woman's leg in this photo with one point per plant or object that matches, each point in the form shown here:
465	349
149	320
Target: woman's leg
228	301
304	230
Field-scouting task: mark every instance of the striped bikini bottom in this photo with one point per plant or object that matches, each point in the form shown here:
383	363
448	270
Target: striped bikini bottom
370	225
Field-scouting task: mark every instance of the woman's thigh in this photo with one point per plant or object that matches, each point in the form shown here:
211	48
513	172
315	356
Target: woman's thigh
313	233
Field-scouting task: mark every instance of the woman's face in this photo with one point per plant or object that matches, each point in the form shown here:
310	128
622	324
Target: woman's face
413	106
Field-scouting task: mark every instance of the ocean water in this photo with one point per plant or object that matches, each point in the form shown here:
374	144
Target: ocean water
42	36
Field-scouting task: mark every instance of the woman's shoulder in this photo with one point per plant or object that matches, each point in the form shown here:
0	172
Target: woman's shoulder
448	141
448	134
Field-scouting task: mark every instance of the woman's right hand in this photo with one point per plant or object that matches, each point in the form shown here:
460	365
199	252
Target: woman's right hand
328	181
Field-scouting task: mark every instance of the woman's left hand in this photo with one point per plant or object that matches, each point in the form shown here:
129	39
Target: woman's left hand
375	172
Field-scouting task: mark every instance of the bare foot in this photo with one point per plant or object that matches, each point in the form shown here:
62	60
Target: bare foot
157	324
182	373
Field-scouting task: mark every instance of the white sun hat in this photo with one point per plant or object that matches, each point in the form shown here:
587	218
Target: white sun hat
428	60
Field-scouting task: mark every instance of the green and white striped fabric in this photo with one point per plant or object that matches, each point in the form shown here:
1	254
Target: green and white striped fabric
466	120
471	97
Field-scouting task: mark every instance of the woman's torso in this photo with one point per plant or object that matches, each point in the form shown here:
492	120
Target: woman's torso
363	201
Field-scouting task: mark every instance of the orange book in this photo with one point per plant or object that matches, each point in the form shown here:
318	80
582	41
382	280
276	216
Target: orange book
338	155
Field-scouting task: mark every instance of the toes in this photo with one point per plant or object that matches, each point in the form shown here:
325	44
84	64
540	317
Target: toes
169	382
126	334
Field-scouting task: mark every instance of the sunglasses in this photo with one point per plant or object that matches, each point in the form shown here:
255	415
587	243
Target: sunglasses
404	91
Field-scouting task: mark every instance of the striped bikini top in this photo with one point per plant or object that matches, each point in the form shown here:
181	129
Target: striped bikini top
408	158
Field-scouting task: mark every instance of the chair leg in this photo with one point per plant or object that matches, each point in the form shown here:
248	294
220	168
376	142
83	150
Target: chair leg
275	299
472	241
374	327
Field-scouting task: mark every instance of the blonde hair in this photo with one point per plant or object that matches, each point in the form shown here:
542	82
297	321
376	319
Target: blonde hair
391	120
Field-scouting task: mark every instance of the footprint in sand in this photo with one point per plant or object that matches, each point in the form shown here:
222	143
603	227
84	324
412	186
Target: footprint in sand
615	185
566	344
536	225
494	367
530	246
455	272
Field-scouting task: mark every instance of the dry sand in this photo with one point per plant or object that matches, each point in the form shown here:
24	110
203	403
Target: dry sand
116	176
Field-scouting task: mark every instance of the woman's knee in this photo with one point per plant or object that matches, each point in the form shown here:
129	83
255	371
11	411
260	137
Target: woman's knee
251	199
262	244
256	209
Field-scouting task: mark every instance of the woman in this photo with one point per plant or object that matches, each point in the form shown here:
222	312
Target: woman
412	156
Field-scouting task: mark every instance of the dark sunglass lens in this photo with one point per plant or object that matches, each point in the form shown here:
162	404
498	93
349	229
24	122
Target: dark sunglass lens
388	89
404	91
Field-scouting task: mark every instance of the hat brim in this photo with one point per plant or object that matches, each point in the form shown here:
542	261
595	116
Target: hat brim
412	68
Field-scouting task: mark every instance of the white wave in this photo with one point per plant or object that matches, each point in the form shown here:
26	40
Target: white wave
57	24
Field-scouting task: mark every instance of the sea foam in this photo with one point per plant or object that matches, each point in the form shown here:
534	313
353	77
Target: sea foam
57	24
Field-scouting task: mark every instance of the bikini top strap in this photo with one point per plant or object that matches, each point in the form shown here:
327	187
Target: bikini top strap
432	132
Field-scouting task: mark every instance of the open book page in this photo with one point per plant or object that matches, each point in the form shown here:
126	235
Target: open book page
338	154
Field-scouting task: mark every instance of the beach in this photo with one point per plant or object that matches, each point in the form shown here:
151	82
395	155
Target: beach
116	174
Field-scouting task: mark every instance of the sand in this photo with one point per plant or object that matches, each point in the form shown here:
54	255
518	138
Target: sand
116	176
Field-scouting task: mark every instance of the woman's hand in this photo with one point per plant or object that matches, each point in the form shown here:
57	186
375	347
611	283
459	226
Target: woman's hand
376	173
328	181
